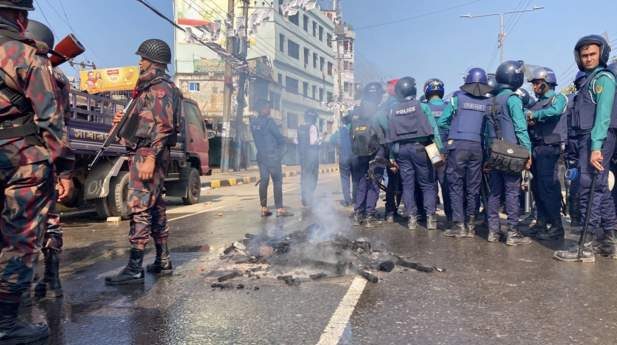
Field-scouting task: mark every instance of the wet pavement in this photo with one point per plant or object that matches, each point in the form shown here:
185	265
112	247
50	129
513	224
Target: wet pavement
489	294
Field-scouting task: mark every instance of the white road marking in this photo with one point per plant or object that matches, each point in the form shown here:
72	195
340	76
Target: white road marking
333	332
193	213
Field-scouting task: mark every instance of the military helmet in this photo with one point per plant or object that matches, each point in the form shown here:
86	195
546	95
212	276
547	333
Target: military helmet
433	87
511	74
605	49
543	73
155	50
24	5
373	92
40	32
405	87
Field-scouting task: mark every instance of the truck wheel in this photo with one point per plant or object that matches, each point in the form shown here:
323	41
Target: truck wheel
115	204
192	183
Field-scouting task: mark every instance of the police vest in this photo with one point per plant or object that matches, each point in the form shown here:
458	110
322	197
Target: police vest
304	137
503	118
361	136
469	119
584	112
407	121
551	131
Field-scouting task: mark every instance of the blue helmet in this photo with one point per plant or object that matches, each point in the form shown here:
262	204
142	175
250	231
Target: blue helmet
605	49
476	83
492	82
405	88
511	74
433	87
476	75
544	73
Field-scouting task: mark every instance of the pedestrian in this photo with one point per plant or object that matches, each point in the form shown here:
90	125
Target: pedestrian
308	152
412	127
341	139
548	133
365	143
510	118
52	239
465	121
594	123
434	90
269	143
33	144
155	119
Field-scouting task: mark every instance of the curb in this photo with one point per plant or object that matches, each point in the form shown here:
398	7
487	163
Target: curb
233	181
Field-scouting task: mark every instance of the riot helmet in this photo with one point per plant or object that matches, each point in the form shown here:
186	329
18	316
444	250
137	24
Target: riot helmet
476	82
525	97
40	32
545	76
406	88
24	5
510	74
492	82
155	50
434	87
373	92
605	49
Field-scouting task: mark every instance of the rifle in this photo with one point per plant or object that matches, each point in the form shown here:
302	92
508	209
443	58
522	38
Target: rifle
113	134
67	49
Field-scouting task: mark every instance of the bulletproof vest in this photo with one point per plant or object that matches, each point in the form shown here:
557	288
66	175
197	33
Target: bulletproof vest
468	121
407	121
361	136
503	119
584	112
569	112
304	137
551	131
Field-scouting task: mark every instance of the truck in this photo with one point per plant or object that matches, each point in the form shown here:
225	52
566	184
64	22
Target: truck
105	186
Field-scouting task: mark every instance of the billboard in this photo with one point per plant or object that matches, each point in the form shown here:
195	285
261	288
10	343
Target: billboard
109	79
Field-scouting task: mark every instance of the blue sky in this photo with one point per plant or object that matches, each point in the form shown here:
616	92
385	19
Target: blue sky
434	45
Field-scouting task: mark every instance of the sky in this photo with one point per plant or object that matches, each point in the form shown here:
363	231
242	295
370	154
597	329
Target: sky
435	43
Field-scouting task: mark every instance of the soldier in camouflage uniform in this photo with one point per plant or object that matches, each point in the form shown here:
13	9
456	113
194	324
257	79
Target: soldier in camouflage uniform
156	130
52	240
33	144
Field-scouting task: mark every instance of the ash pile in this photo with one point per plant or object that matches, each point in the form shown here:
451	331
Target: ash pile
306	255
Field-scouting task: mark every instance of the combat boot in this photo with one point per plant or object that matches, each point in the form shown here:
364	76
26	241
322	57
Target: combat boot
538	228
370	221
357	219
471	227
412	223
608	246
14	331
514	237
493	235
133	273
51	278
552	233
586	253
390	218
162	262
457	230
431	222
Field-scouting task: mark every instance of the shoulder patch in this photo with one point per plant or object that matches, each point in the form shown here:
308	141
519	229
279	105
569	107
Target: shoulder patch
598	88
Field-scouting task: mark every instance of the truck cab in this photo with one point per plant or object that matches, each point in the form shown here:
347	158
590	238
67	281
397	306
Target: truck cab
106	185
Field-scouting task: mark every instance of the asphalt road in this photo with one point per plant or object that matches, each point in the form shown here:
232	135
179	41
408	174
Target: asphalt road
489	293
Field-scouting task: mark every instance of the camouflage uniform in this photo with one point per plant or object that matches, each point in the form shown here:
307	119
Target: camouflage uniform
26	163
155	110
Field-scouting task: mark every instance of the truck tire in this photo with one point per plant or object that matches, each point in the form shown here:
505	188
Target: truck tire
192	182
115	204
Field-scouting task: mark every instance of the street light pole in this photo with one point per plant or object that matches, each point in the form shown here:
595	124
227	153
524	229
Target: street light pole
501	37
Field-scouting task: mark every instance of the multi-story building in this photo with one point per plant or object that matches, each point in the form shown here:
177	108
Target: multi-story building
347	62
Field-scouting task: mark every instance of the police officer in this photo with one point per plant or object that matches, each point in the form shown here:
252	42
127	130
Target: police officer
308	150
155	116
434	91
269	141
342	140
547	130
464	120
52	241
365	147
33	144
510	118
595	123
411	127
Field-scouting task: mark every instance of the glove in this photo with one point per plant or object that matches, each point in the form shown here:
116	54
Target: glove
571	174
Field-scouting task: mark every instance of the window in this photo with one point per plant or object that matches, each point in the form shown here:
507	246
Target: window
329	37
291	85
295	19
321	94
330	97
314	60
305	89
321	33
293	49
348	46
193	118
314	29
282	43
292	120
305	22
276	100
314	92
193	86
307	55
330	68
281	6
322	63
280	79
346	86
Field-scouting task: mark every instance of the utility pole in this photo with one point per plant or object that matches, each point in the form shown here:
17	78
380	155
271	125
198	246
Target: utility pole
339	29
501	37
228	81
240	99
